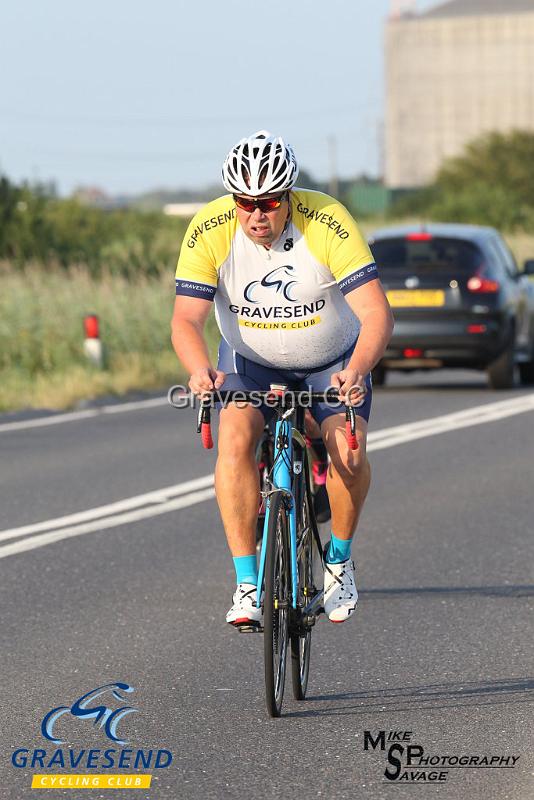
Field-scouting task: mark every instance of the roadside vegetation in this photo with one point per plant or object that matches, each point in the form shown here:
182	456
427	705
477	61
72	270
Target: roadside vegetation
41	334
38	228
490	183
61	260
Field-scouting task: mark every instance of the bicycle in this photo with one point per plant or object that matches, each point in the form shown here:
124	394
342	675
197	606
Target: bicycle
291	546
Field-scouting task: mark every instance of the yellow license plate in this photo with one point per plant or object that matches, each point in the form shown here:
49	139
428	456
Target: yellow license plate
407	298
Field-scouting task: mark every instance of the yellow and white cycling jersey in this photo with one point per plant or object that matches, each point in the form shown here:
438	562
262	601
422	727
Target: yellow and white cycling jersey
281	306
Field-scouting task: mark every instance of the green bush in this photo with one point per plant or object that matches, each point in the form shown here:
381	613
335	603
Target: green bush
35	227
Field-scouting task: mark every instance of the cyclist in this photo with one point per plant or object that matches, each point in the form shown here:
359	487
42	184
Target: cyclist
298	302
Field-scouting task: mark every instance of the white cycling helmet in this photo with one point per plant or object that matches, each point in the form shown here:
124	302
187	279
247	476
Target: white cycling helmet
260	164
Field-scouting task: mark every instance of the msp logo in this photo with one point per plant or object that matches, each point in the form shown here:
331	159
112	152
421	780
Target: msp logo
410	762
273	280
104	707
102	715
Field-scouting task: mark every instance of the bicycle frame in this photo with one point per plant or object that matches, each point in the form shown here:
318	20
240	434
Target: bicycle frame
282	479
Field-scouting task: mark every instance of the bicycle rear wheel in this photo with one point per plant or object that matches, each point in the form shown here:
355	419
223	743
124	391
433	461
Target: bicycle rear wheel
301	635
276	602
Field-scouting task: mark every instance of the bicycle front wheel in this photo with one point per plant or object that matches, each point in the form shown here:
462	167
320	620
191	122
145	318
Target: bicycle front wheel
276	602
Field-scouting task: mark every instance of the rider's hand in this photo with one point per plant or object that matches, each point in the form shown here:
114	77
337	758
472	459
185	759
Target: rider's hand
351	386
206	380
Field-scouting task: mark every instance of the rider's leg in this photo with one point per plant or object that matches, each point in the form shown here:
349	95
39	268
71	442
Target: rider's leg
313	432
349	474
348	481
311	427
319	468
236	476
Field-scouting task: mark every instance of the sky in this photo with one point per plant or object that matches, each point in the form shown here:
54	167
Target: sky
130	96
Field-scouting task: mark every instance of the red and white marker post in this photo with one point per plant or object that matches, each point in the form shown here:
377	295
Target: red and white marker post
92	345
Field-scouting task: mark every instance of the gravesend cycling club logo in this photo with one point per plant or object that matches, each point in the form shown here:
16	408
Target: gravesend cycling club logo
105	708
104	716
273	280
279	284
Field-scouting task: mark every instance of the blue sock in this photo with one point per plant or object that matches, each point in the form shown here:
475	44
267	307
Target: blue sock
246	569
339	550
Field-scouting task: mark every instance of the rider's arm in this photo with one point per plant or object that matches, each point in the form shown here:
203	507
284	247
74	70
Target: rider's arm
188	320
351	263
370	305
187	325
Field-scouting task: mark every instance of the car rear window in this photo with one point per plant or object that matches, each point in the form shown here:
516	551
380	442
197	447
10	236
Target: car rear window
426	255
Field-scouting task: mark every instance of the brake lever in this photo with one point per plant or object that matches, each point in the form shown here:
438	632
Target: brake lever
350	427
204	424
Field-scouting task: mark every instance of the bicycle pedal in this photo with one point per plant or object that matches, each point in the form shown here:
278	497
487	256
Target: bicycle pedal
249	628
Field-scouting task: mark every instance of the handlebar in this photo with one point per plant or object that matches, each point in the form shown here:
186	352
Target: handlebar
283	398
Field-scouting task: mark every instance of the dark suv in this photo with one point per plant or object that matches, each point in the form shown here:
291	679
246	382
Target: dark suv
459	300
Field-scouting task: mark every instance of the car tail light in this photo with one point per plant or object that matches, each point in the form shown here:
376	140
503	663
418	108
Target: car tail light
421	236
412	352
477	329
480	283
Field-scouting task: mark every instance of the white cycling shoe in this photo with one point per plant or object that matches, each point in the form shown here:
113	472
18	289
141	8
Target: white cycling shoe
340	593
244	610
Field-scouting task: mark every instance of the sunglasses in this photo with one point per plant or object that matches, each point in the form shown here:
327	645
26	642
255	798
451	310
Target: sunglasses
265	204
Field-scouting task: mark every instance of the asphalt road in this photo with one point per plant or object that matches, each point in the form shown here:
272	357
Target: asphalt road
442	645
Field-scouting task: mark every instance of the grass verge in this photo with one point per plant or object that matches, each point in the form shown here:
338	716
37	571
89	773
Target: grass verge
42	363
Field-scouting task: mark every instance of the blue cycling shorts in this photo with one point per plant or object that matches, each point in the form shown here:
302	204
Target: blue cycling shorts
244	374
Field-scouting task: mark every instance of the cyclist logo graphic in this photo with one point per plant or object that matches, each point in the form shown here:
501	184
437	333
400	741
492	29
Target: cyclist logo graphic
107	718
273	280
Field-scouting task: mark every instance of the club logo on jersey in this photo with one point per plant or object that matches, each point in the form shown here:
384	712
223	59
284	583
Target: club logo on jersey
276	279
288	244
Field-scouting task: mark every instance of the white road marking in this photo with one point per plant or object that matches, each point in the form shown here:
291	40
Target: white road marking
478	415
74	416
157	497
198	490
100	524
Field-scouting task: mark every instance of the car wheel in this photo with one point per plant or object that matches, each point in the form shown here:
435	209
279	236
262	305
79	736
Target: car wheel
526	373
378	375
501	372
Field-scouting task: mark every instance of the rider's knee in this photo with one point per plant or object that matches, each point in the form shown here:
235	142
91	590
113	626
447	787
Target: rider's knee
236	442
351	465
